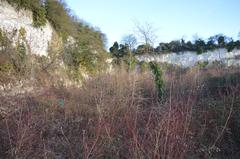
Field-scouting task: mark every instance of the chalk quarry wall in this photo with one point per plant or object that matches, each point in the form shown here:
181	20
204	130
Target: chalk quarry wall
11	20
189	59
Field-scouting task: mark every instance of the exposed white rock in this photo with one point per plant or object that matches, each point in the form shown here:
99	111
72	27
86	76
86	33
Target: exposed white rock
189	59
110	65
12	20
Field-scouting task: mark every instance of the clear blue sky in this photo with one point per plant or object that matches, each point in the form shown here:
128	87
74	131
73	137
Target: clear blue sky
174	19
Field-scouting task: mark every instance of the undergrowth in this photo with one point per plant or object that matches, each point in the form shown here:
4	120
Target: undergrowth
120	116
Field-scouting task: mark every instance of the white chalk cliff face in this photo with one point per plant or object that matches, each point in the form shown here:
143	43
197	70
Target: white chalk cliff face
12	20
189	59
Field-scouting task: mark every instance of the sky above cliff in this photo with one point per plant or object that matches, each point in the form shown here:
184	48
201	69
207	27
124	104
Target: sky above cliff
173	19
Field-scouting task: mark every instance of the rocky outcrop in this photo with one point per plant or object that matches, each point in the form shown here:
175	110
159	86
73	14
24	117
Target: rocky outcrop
189	59
12	21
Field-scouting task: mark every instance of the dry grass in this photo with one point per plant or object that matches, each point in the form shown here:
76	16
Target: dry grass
120	116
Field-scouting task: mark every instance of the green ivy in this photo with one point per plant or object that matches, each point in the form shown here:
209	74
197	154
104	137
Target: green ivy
156	70
39	17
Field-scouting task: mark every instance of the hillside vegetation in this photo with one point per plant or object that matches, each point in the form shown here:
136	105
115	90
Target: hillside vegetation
137	110
82	48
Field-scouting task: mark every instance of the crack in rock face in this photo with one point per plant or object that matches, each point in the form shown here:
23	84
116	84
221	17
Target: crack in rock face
37	39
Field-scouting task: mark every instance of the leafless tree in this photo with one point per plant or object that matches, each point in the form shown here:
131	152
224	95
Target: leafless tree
130	40
146	33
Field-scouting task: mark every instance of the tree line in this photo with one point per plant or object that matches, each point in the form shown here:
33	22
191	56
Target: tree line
142	42
199	45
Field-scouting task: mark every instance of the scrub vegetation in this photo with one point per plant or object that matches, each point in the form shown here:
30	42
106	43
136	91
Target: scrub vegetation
120	116
138	110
